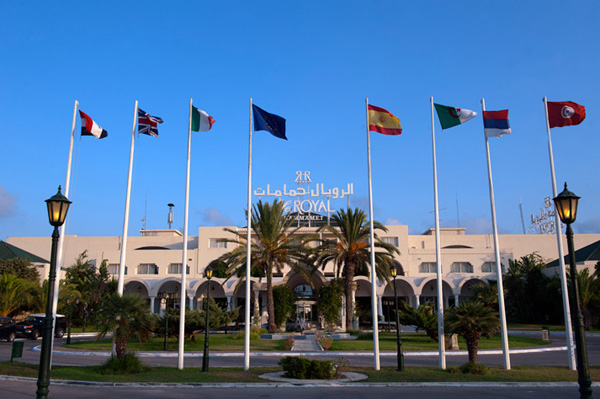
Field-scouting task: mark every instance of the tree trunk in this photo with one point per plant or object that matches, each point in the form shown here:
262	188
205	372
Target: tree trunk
270	302
472	346
121	348
348	288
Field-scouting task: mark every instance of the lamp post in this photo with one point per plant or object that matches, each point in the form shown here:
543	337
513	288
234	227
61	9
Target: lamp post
58	205
400	355
164	299
566	206
208	274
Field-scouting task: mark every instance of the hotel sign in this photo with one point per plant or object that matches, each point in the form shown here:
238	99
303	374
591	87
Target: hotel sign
307	202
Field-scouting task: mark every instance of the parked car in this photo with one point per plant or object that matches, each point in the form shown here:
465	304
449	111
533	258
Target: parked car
8	329
33	326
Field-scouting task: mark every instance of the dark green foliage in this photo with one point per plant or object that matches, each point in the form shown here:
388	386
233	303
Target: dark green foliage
472	320
350	252
472	368
22	268
284	300
275	244
92	283
424	318
532	297
302	368
330	301
127	316
129	364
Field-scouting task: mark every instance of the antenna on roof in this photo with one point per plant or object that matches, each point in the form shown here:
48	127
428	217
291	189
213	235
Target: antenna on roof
145	212
170	219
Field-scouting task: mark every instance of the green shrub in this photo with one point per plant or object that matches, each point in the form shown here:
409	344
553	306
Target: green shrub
130	364
471	368
302	368
366	335
354	333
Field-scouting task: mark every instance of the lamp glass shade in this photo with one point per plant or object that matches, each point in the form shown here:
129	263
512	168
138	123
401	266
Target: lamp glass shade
566	206
58	205
208	272
393	270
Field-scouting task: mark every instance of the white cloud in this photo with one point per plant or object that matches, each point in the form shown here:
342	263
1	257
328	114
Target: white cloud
392	222
7	203
212	216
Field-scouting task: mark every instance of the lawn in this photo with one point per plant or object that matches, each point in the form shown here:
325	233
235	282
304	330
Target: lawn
420	342
386	374
233	343
218	343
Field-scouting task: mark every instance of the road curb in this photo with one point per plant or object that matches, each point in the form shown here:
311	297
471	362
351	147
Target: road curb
302	385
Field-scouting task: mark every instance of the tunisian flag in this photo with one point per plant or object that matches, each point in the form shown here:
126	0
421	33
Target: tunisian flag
565	113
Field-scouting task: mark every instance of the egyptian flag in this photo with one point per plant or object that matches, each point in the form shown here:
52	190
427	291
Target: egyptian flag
91	128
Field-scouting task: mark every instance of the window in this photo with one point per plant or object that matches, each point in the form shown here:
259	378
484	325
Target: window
214	243
427	267
113	269
390	240
461	267
488	267
175	268
147	268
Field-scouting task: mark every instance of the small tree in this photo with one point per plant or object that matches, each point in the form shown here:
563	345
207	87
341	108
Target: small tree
19	267
16	294
127	316
330	301
472	320
283	296
424	318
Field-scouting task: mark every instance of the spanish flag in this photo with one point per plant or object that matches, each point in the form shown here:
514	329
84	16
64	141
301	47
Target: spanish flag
382	121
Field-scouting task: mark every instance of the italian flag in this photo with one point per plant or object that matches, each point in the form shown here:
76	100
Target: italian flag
201	121
450	116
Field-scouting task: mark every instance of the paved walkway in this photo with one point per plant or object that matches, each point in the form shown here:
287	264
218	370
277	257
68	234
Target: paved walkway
306	343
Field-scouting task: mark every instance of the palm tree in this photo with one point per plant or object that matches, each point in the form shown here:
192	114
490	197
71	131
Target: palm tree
350	253
423	318
17	293
275	245
471	320
127	316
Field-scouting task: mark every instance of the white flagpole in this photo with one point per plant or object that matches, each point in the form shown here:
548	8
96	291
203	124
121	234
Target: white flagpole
61	239
184	298
502	310
438	254
127	200
372	240
248	253
561	260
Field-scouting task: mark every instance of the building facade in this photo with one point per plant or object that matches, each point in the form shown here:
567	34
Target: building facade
154	265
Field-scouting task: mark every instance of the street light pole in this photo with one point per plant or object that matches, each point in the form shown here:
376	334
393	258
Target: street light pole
566	206
400	354
208	274
58	205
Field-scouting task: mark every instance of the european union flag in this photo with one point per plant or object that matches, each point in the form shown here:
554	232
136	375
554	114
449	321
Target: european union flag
272	123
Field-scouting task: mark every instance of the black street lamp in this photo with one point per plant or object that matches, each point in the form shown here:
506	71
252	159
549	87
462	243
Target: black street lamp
566	206
208	274
164	299
400	355
58	205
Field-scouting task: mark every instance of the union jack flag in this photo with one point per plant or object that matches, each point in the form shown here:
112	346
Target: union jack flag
147	124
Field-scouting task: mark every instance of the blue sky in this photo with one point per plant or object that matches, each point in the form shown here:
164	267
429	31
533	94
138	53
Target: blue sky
313	64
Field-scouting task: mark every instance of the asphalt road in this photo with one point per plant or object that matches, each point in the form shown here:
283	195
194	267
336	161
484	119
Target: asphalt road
557	356
17	389
26	389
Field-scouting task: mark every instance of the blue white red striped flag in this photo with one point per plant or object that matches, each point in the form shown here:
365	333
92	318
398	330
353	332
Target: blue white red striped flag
495	123
147	124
